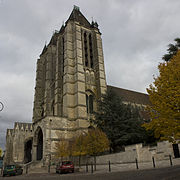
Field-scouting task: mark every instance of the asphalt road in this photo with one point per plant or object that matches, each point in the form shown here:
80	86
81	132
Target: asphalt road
170	173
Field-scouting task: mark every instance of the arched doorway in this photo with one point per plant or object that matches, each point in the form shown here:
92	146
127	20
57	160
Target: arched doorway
39	140
28	151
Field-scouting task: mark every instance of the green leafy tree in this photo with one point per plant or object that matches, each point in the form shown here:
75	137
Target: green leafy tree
164	96
172	50
120	122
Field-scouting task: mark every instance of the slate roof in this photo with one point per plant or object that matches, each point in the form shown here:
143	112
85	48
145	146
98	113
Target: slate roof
131	96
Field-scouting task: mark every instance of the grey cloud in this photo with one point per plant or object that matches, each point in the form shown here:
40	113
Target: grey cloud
135	35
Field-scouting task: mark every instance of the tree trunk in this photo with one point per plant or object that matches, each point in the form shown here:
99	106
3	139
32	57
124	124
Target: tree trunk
79	160
94	163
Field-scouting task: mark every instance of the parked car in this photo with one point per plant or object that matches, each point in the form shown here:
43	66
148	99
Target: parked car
12	170
65	166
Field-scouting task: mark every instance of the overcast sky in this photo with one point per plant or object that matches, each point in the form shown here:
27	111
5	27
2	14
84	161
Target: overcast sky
135	36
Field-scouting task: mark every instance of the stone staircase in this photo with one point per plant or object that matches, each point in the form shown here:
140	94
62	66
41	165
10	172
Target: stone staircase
34	167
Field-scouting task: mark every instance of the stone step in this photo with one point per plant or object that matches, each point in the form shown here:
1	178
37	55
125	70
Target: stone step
37	170
36	166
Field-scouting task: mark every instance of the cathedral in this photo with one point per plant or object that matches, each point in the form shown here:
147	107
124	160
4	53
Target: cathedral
70	78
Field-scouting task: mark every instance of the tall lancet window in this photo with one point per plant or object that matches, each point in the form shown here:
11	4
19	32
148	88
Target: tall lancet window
63	54
91	51
52	108
89	103
86	50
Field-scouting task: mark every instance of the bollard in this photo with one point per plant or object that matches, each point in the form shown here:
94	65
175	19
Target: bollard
136	163
154	165
86	167
109	166
170	159
91	167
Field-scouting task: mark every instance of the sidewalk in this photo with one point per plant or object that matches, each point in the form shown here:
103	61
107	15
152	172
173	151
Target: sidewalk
118	167
130	166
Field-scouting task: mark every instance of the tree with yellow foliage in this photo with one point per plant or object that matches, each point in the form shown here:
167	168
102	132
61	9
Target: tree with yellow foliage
91	143
88	143
78	146
96	142
164	96
1	152
62	149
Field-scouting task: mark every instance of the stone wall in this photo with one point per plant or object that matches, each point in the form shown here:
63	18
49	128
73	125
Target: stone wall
15	141
132	152
139	152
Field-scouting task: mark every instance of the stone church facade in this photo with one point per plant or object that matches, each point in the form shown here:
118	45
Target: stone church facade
70	78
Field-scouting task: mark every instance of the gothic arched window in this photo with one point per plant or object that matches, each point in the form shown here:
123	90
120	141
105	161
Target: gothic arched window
86	50
52	108
89	103
91	51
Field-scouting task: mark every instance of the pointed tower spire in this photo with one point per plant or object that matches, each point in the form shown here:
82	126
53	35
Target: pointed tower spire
76	15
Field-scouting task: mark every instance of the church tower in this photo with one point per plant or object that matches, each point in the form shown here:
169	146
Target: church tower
70	72
70	78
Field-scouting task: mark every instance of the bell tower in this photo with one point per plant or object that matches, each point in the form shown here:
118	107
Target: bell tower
70	78
70	72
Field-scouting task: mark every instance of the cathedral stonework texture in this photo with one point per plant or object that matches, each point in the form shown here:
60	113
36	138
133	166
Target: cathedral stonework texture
70	78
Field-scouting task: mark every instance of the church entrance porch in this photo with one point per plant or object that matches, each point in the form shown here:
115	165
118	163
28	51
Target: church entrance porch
28	151
38	143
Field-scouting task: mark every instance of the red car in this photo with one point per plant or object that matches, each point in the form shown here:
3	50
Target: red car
65	166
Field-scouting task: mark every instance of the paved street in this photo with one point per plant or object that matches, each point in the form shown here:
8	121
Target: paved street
170	173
